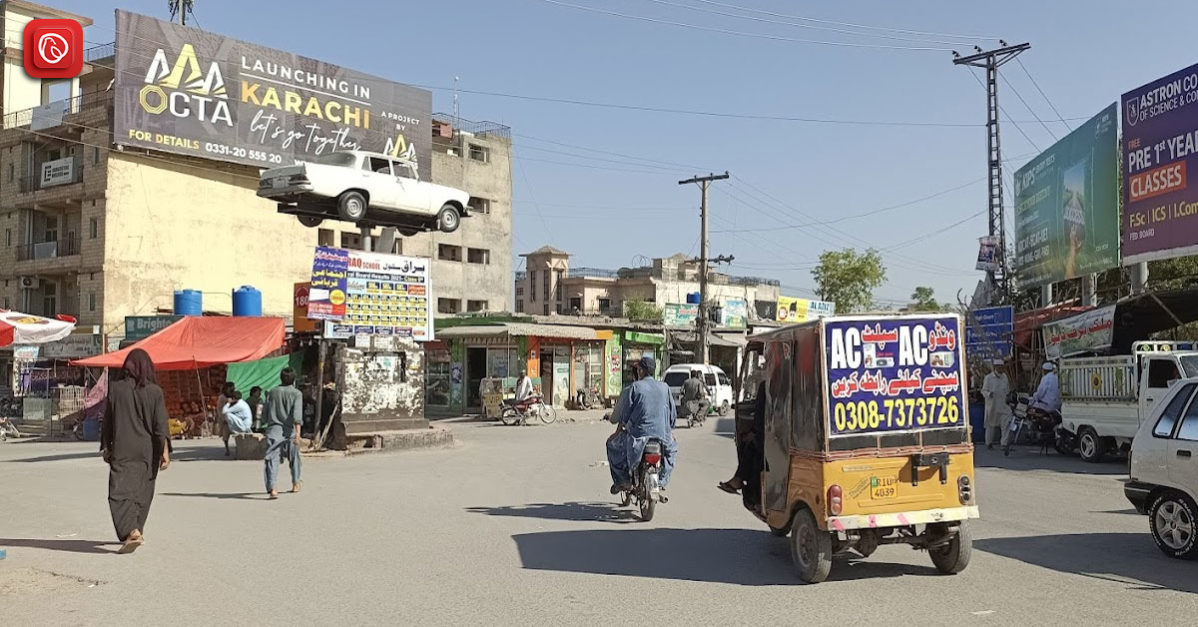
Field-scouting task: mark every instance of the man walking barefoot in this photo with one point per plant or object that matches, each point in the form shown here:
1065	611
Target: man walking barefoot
283	416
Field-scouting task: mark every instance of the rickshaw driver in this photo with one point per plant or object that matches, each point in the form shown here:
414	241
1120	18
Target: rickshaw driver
645	411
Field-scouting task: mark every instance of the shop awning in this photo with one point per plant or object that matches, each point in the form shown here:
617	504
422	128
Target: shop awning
521	329
202	341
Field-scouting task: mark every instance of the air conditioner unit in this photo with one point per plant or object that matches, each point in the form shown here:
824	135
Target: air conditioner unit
30	282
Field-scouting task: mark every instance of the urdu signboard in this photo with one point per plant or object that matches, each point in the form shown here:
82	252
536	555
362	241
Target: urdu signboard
196	93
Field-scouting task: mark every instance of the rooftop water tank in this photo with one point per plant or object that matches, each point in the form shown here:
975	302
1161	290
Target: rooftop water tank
247	301
189	303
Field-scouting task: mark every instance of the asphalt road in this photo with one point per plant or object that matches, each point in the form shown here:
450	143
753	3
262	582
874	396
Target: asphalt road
515	525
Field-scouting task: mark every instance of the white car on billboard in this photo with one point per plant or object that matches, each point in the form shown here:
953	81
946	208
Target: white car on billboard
349	185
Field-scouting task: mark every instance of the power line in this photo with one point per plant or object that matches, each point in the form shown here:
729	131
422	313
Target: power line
1042	94
737	33
1029	107
800	25
848	24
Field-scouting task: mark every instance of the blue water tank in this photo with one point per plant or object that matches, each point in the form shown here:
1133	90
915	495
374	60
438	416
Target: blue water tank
692	298
189	303
247	301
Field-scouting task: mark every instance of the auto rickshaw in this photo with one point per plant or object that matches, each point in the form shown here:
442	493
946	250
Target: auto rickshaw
856	434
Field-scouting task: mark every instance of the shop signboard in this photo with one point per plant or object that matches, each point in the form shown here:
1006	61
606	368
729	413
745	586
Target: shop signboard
1087	332
676	315
894	374
58	172
192	92
989	333
795	310
1066	206
74	346
1160	142
371	293
141	327
26	353
300	322
735	313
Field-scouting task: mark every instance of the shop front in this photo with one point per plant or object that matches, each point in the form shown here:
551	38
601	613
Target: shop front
637	344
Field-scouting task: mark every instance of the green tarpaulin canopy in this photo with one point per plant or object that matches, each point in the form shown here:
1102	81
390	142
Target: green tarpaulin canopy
263	373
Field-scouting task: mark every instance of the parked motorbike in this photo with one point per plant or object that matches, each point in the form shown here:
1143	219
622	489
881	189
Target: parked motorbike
1042	428
646	488
518	412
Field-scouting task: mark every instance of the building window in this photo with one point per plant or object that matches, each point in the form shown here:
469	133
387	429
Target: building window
545	283
352	241
96	156
519	305
478	255
448	305
476	305
11	172
325	237
546	308
604	305
520	292
8	237
446	252
575	303
91	301
532	282
479	205
557	290
93	226
480	153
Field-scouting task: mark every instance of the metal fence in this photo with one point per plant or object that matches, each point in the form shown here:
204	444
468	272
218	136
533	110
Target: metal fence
24	117
61	247
478	129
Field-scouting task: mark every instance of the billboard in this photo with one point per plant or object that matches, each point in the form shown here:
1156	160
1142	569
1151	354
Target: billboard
196	93
796	310
990	332
1087	332
679	315
1160	141
734	314
1066	207
894	374
371	293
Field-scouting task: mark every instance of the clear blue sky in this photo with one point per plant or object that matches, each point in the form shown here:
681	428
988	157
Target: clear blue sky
609	209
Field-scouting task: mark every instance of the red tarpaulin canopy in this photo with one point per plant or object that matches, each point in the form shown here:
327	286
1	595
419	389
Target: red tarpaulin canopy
199	342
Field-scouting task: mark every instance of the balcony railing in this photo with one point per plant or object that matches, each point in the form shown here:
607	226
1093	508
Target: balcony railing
99	53
79	103
60	172
62	247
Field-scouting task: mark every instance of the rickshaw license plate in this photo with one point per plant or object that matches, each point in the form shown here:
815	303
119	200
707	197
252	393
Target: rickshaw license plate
883	487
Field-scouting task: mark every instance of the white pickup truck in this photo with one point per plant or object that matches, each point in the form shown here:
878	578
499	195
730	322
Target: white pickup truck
1105	398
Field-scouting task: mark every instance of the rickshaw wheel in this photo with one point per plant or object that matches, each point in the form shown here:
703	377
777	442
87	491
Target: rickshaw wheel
779	532
810	548
953	557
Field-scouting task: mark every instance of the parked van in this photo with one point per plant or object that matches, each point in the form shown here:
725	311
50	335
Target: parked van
719	386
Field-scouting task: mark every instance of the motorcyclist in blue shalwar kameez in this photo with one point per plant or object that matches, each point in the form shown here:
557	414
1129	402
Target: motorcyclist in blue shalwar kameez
645	411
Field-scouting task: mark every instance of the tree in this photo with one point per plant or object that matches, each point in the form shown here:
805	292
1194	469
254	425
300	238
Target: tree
924	299
641	310
848	278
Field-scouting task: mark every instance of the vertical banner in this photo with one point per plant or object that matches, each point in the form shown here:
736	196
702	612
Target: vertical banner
1066	211
1160	141
894	374
987	253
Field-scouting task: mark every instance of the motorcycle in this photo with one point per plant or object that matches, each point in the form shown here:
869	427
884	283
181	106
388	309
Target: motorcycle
694	412
518	412
646	488
1044	428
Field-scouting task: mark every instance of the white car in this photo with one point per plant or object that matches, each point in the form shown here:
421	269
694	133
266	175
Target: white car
719	386
1164	471
349	183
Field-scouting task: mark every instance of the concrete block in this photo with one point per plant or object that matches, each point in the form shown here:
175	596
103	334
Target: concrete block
250	446
405	440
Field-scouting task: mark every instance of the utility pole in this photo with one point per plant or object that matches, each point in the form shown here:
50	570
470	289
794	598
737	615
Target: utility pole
991	60
181	8
702	323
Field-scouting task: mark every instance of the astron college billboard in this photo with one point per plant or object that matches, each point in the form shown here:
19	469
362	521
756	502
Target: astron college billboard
196	93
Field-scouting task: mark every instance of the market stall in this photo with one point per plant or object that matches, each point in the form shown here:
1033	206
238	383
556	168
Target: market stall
192	357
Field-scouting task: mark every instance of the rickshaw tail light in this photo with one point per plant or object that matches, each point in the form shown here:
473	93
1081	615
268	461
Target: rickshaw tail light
965	489
835	500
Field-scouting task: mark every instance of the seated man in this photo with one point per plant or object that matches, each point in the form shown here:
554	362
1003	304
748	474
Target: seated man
645	411
750	437
694	402
237	415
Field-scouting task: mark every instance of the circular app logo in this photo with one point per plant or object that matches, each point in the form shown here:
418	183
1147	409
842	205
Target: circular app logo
337	297
53	48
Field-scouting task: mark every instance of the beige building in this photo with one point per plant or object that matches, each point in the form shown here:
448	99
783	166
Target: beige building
549	286
101	233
